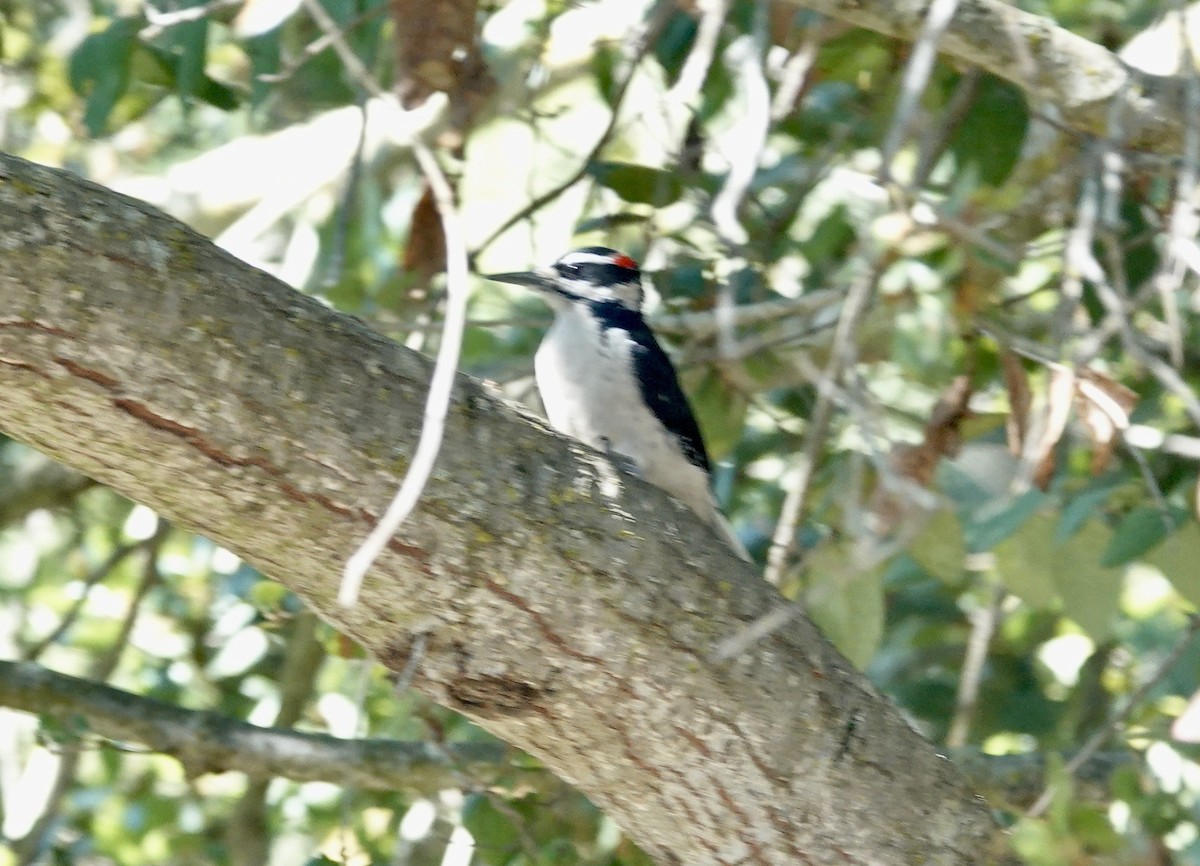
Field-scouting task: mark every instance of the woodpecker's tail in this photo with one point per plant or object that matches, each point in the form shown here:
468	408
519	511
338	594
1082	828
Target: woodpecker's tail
727	534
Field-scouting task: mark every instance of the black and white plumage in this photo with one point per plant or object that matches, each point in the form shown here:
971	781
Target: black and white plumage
605	380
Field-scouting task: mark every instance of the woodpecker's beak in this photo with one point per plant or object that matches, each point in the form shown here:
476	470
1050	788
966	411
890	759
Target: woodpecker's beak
541	279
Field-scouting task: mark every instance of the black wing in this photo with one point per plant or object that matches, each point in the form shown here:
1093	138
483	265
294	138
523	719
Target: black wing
659	384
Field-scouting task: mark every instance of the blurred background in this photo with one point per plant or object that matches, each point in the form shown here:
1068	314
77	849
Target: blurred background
942	348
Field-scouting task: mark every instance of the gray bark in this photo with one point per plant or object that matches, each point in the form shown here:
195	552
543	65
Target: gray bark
569	611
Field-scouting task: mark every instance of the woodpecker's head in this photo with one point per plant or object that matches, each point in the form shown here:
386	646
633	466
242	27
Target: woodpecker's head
591	274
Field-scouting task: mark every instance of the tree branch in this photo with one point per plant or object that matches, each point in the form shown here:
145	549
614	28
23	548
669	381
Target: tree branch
566	608
1089	85
206	742
37	483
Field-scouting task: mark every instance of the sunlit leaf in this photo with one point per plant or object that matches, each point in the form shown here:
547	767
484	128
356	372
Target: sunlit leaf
261	16
1178	558
1090	592
939	547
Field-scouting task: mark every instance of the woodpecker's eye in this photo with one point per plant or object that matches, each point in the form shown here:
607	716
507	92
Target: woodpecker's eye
569	270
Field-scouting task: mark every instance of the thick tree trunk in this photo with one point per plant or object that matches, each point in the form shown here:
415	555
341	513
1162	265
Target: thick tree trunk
569	610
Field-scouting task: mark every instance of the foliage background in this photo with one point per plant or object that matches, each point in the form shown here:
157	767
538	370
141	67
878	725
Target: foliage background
937	479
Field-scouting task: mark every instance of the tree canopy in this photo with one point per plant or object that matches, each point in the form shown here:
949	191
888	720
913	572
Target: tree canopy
928	271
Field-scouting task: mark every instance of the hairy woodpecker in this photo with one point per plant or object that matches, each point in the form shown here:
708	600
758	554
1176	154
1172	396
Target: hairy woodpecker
605	381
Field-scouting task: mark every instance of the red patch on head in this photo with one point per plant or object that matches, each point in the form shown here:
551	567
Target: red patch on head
623	261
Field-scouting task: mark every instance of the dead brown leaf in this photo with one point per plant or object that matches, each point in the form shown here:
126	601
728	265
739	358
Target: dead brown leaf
1020	400
425	251
1103	405
943	438
1060	394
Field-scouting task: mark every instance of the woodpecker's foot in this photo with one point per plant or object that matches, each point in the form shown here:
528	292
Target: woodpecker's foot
623	462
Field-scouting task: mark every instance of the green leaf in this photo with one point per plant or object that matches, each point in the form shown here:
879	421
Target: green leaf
721	409
939	548
1178	558
1094	830
1034	566
607	222
495	836
604	64
641	184
1079	508
1090	592
990	137
169	67
964	491
99	70
1024	564
1138	531
190	49
845	602
990	523
832	236
674	43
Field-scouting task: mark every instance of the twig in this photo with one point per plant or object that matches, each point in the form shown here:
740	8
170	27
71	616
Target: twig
744	152
247	833
642	46
416	655
983	627
1120	715
933	144
916	76
157	22
95	576
441	384
703	323
363	667
1078	262
795	72
767	624
1184	222
1114	302
797	481
341	222
29	848
337	40
325	40
699	60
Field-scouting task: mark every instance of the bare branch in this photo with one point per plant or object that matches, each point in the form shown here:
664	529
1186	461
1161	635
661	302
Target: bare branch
208	742
842	356
916	76
641	44
1121	714
36	482
1051	64
984	620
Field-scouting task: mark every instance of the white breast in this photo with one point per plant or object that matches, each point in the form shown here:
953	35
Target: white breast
585	377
